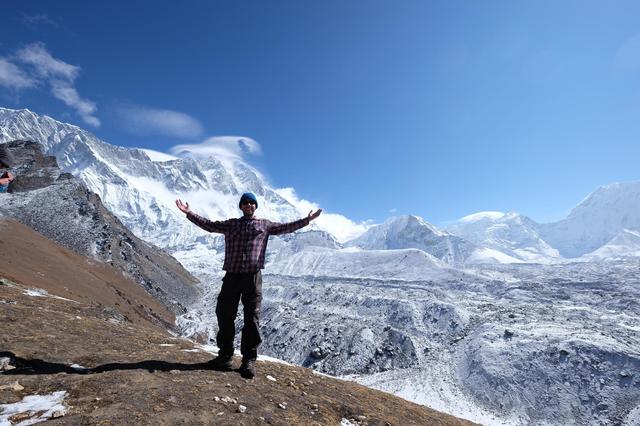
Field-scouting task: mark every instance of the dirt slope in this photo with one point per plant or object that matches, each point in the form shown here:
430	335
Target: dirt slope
33	260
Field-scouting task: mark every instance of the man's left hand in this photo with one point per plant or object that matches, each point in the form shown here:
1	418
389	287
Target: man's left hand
313	215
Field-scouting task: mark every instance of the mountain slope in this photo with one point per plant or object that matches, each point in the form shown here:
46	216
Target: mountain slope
60	207
103	371
513	234
413	232
64	273
596	220
625	244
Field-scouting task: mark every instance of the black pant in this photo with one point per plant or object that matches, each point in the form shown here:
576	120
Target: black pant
248	287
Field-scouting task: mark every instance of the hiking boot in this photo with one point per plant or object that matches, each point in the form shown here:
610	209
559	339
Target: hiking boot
248	368
221	362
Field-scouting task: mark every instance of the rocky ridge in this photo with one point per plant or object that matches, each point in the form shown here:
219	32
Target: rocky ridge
61	207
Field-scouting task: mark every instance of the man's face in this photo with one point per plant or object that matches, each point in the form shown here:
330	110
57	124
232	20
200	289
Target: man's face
248	208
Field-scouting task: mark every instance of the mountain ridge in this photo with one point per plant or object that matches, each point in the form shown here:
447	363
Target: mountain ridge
49	201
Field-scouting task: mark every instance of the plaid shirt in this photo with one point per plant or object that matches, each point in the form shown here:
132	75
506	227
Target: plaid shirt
245	239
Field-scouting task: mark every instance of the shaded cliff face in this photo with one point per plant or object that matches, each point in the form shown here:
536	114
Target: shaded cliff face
60	207
97	371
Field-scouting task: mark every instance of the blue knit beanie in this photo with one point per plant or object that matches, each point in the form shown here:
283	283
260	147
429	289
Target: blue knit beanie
248	196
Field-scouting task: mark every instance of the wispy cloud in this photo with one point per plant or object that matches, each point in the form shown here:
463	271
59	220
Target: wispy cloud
343	228
33	21
225	146
37	67
69	95
13	77
45	64
143	120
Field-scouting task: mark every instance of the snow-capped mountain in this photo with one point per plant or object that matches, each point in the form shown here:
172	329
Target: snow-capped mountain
413	232
60	207
596	220
511	233
141	187
625	244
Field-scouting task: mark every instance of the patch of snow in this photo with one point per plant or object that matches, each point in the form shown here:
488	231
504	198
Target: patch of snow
633	418
41	406
39	292
157	155
493	215
36	292
78	367
488	255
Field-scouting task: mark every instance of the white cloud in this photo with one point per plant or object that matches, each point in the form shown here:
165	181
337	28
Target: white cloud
224	146
69	95
342	228
46	65
152	121
14	77
45	68
34	21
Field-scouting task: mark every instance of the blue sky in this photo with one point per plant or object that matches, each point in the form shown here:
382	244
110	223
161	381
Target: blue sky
368	108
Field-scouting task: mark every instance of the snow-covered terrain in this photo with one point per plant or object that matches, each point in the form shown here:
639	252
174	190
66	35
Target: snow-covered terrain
512	234
413	232
625	244
141	186
497	319
596	220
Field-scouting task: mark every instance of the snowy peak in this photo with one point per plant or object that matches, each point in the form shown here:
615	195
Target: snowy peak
618	195
476	217
512	234
413	232
596	220
141	188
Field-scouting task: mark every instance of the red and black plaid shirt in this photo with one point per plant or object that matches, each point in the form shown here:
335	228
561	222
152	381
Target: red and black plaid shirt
245	240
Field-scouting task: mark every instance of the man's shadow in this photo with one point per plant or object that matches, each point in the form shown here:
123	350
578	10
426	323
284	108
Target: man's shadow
25	366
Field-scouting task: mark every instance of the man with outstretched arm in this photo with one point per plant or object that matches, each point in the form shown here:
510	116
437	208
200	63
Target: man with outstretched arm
245	246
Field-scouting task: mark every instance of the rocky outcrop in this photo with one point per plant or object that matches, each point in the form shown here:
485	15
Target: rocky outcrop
62	208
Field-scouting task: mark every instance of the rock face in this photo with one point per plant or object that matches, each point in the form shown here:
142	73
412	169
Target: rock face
61	207
102	371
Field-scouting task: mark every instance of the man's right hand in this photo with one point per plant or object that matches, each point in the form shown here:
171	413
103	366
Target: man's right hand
184	207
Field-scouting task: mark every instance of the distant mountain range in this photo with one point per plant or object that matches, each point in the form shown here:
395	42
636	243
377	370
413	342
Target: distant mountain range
140	186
